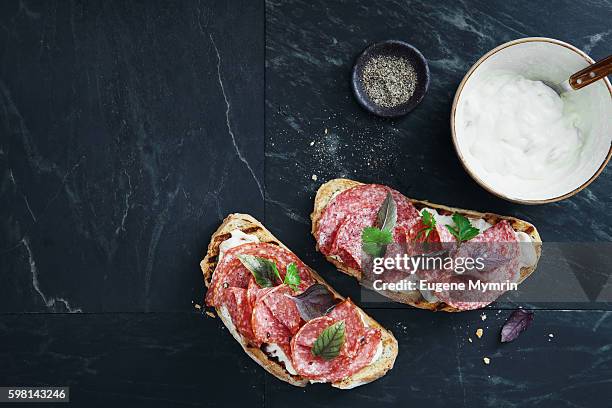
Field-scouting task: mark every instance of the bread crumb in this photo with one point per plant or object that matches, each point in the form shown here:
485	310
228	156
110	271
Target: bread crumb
312	143
197	306
314	177
483	317
210	314
486	360
479	333
551	335
470	339
325	130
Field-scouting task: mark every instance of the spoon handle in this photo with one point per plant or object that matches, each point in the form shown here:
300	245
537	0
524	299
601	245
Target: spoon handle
592	73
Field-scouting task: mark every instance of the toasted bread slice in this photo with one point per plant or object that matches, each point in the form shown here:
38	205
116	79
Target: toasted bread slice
334	187
250	225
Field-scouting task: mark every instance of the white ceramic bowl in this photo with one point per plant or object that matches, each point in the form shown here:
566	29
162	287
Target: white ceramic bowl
553	61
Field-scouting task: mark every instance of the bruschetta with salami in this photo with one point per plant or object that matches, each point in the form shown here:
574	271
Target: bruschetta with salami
285	316
346	213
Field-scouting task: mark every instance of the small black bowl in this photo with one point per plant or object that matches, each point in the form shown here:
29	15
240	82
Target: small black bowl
397	49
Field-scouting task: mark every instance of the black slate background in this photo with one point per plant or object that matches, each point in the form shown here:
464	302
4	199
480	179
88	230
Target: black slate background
129	129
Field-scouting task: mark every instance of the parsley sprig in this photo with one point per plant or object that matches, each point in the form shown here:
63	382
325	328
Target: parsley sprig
429	224
374	240
462	229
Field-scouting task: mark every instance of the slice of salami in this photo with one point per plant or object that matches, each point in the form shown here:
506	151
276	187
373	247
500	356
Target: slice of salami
347	244
235	276
228	262
283	308
254	292
310	366
354	327
316	368
368	346
266	328
235	300
231	273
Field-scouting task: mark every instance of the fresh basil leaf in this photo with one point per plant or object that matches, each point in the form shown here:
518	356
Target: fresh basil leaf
292	278
314	302
264	270
387	214
517	323
330	341
374	241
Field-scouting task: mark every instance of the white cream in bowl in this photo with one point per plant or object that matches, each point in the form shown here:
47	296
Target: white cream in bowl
517	137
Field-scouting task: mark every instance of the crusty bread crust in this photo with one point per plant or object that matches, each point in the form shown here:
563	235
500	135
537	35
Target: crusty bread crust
334	187
250	225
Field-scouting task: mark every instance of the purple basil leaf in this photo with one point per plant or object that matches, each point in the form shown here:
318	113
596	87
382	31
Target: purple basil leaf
314	301
518	322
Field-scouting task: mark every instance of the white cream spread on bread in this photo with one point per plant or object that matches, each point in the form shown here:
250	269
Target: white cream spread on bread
273	350
237	238
529	257
379	348
227	319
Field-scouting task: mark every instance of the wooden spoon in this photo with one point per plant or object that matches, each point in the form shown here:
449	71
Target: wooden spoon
584	77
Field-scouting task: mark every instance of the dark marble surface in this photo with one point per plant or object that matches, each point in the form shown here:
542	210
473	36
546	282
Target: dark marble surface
129	129
124	128
180	359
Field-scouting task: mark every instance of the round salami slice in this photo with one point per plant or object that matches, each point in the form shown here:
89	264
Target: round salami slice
283	308
228	262
254	292
310	366
347	244
368	346
266	328
239	309
235	276
354	328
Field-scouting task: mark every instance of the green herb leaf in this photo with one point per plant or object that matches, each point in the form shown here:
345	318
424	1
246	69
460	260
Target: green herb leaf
387	214
374	240
330	341
292	278
429	223
462	230
264	270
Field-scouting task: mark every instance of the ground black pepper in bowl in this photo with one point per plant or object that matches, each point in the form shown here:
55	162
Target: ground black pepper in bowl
390	78
389	81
